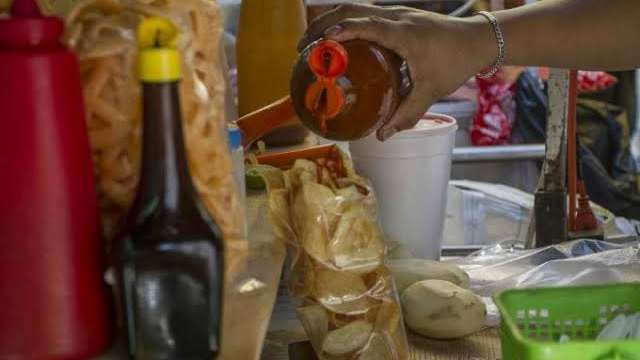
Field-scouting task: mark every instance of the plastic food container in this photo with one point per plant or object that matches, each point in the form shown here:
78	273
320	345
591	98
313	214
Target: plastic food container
410	173
533	320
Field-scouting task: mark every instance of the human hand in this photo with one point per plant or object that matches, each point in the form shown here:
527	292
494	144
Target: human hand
442	52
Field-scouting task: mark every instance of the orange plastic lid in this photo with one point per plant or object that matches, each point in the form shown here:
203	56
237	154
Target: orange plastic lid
328	59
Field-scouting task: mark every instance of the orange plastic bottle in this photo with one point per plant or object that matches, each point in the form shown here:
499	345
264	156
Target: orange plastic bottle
345	91
266	51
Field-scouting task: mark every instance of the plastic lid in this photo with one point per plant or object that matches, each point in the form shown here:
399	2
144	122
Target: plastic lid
26	27
235	136
431	124
328	59
433	135
159	59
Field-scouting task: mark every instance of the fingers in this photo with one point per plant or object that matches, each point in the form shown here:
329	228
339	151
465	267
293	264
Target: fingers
317	28
375	29
406	116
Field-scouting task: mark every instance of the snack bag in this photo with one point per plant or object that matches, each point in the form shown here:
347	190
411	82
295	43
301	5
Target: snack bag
103	33
346	298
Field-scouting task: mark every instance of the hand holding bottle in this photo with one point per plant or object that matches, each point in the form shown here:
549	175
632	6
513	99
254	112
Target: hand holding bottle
443	52
428	42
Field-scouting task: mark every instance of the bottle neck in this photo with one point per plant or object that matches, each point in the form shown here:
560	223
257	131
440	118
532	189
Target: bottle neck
165	173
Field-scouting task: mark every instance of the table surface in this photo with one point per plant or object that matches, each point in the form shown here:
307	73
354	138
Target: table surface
482	346
248	312
285	329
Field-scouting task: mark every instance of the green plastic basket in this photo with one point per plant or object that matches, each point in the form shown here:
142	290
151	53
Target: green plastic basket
533	320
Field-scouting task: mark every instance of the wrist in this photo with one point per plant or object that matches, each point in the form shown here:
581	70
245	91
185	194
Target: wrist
481	39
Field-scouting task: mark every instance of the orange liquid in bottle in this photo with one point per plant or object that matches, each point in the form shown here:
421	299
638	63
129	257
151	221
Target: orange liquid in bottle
347	102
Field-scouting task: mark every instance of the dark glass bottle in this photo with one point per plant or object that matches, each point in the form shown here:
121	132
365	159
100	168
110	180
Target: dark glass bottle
170	256
344	91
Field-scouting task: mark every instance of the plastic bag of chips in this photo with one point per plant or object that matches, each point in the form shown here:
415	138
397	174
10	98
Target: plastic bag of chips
345	294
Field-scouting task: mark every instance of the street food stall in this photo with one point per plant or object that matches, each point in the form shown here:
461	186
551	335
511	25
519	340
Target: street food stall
188	179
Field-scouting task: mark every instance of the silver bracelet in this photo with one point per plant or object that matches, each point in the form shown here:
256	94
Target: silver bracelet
497	64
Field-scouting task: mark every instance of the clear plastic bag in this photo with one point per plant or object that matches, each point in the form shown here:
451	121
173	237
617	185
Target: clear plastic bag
344	293
103	34
480	213
582	262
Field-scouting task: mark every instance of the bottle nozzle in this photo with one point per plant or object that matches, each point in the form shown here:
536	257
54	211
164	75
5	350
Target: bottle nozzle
156	32
159	58
25	9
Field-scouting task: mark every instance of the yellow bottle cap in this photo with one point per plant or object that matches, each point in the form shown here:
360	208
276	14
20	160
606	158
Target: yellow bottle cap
159	59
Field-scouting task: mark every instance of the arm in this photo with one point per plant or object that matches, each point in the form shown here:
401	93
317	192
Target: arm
444	52
579	34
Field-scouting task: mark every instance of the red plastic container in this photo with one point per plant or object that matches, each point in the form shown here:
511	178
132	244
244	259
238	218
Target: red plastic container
53	301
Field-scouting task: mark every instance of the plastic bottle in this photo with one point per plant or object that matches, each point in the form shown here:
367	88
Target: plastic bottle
266	51
170	255
54	302
345	91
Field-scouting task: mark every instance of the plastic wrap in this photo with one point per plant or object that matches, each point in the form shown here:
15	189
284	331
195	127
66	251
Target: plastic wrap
581	262
102	32
344	293
484	213
251	291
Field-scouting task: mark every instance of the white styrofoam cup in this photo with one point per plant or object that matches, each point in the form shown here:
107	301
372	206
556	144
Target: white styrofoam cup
410	173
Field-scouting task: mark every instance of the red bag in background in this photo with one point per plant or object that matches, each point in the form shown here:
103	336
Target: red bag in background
494	119
593	81
493	122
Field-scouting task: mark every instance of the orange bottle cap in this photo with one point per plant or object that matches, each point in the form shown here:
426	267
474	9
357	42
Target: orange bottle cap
328	59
